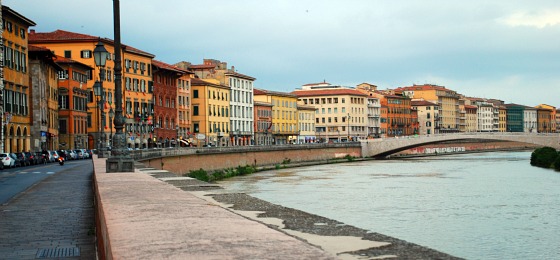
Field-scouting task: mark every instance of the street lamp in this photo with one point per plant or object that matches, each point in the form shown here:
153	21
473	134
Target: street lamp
111	116
120	160
100	55
177	144
348	122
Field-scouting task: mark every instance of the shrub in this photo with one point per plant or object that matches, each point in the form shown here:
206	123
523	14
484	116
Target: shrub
199	175
557	164
544	157
277	166
350	158
247	169
286	161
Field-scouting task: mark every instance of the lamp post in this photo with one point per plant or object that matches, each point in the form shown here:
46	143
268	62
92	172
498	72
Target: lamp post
120	160
348	122
100	55
177	144
111	116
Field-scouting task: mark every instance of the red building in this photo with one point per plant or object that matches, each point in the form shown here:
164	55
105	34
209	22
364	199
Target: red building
165	119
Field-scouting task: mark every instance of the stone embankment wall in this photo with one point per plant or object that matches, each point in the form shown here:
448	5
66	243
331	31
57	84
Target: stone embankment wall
463	147
216	159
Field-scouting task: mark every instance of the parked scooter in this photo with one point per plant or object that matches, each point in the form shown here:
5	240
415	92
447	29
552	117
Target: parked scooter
61	160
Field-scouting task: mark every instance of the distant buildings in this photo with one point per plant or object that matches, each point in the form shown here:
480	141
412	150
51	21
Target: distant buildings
49	102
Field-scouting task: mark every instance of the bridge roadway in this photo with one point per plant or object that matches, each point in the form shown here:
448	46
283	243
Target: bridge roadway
386	146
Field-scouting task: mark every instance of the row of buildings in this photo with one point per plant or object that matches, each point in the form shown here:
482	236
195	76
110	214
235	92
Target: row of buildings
55	97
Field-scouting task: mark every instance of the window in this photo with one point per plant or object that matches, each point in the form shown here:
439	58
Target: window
86	54
195	93
22	33
195	110
62	127
67	54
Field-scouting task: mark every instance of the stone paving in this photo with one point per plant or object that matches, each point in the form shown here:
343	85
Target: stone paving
53	219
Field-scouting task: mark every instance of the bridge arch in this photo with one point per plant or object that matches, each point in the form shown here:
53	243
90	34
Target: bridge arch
386	146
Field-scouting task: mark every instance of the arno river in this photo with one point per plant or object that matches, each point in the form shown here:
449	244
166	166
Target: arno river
477	206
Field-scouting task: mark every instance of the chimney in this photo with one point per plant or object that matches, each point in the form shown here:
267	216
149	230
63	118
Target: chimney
32	31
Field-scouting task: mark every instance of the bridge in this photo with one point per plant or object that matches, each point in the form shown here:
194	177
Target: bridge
383	147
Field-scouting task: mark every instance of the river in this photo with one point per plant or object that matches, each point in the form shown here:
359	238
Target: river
476	206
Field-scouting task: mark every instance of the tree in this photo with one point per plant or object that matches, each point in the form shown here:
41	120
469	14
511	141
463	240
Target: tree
544	157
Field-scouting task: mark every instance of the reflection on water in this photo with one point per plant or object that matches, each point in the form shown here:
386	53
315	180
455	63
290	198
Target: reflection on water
477	206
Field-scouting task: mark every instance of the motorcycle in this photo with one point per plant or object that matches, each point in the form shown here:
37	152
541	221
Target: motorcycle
61	160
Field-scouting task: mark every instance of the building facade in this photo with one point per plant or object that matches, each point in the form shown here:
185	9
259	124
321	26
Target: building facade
72	103
530	120
447	100
16	92
210	114
166	130
306	124
241	96
44	76
183	108
284	114
515	114
263	123
341	113
427	113
137	83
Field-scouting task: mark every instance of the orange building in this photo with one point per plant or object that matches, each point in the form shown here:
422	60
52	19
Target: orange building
72	103
137	82
16	115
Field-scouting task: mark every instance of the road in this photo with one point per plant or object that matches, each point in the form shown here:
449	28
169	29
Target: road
16	180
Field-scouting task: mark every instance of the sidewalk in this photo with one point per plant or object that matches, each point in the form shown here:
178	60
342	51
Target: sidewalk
53	219
145	218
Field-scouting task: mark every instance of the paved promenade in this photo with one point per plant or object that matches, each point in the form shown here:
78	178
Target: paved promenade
53	219
146	218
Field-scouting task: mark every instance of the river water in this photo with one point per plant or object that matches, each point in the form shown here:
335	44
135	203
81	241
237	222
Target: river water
477	206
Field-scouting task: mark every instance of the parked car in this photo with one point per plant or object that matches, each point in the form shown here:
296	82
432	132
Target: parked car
42	158
7	160
70	155
85	153
79	153
18	162
90	152
32	158
25	161
54	156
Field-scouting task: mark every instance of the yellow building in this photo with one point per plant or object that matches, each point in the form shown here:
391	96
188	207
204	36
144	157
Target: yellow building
16	114
137	83
447	100
503	118
341	113
210	113
552	120
306	124
284	113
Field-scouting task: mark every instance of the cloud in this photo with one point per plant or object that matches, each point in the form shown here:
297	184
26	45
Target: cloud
539	19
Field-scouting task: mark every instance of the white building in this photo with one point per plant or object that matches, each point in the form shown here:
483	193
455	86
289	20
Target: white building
530	120
241	105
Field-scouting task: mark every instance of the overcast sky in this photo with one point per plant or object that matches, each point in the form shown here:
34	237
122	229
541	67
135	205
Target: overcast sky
509	50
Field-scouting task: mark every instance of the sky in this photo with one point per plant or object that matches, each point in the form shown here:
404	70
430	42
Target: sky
502	49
